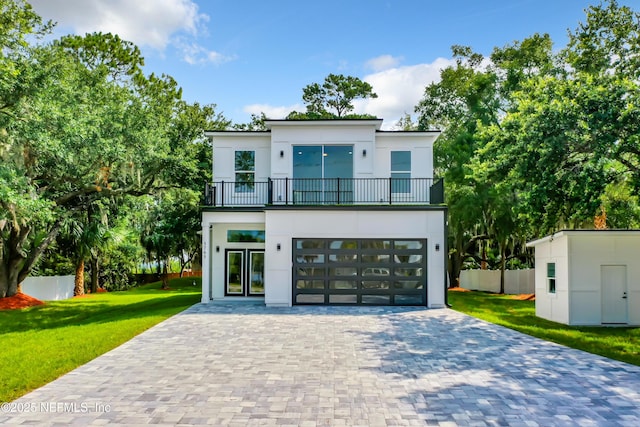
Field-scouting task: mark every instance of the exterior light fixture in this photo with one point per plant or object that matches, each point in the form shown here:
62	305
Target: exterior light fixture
281	153
437	247
217	248
364	153
278	246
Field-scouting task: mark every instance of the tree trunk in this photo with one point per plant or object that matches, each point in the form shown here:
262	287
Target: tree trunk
483	263
94	275
459	255
503	264
454	267
9	271
165	276
14	265
78	288
184	263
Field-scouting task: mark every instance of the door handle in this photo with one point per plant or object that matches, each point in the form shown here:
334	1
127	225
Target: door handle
624	295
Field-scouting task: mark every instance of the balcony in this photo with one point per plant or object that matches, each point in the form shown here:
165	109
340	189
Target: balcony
325	192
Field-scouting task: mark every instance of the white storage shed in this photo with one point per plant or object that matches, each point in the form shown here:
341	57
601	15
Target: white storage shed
588	277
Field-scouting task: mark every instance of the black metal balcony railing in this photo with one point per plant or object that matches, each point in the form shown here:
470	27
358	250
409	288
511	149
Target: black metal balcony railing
327	191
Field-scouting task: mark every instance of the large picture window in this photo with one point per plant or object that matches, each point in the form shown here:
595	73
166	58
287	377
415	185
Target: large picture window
401	171
245	170
322	173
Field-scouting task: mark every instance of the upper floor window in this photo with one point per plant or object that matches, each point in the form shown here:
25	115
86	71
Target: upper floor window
245	169
401	171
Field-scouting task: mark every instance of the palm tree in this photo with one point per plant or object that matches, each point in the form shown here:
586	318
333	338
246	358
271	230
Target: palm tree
81	237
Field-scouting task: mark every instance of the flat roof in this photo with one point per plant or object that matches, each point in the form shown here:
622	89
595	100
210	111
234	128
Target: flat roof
323	122
310	122
573	232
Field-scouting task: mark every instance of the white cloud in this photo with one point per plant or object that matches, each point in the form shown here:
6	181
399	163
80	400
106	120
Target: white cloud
144	22
383	62
273	111
193	53
399	90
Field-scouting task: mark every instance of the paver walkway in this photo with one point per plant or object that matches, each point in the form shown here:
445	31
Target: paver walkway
246	365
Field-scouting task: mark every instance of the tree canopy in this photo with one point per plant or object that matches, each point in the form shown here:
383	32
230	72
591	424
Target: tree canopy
536	140
334	98
82	123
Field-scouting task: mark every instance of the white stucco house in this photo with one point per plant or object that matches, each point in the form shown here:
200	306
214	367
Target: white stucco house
588	277
324	212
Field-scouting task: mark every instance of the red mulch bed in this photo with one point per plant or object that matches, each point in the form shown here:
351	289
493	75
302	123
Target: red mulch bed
521	297
524	297
88	294
19	301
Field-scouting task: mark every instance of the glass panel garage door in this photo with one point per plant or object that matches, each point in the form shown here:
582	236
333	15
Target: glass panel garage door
360	271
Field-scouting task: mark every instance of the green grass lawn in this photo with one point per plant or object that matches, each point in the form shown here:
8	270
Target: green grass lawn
39	344
616	343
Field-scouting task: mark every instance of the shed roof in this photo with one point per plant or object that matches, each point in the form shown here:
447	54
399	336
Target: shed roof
568	232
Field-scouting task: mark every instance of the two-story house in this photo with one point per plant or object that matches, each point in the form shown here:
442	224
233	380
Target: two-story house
324	212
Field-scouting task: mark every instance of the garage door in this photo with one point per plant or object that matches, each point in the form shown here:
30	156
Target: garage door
360	271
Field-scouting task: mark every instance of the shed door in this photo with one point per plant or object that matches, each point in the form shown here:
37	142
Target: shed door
614	293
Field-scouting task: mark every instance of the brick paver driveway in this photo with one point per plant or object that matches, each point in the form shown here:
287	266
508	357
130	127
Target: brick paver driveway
305	366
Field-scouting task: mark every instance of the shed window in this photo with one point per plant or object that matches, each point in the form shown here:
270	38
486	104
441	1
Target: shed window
551	277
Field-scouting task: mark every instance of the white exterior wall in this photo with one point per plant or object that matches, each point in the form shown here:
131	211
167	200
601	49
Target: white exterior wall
552	306
361	137
214	234
285	225
375	164
421	148
227	144
281	226
579	257
588	252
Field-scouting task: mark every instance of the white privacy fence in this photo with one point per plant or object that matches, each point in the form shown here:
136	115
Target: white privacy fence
48	288
515	281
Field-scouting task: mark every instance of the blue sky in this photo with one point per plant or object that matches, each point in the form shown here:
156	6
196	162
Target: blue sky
249	56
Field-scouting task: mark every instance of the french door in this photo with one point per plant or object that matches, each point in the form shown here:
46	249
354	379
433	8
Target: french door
244	272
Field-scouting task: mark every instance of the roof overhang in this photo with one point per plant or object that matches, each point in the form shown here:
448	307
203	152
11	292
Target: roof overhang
329	122
214	133
569	232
